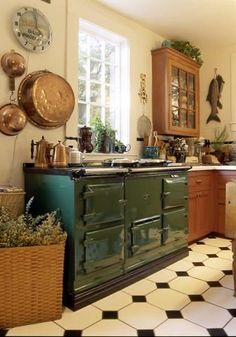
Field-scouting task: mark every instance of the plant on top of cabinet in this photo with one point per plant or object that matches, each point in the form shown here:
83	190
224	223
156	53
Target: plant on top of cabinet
186	48
175	93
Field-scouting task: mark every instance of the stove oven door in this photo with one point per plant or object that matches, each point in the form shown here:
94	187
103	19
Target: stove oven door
175	191
146	235
103	248
103	203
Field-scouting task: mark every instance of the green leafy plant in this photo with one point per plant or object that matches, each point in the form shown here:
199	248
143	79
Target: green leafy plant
101	130
26	230
220	138
186	48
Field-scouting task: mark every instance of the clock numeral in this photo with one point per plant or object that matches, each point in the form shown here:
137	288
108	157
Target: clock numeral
18	34
26	43
18	13
16	23
34	48
42	48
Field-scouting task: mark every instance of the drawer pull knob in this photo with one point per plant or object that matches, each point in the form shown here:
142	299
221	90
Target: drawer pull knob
198	181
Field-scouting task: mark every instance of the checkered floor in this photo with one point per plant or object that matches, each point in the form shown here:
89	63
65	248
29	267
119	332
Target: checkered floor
192	297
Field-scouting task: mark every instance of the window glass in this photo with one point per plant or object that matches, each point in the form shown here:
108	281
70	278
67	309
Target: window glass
103	66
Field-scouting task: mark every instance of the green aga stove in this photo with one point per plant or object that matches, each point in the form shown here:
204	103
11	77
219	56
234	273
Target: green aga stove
123	223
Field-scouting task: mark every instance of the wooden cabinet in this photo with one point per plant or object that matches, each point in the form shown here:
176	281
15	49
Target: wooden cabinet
200	218
221	178
175	93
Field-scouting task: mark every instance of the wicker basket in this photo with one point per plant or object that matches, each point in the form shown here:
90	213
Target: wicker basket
31	284
13	201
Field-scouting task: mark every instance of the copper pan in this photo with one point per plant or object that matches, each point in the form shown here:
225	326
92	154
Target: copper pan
12	119
13	64
47	99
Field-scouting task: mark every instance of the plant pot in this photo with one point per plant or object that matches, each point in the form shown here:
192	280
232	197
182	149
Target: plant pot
31	284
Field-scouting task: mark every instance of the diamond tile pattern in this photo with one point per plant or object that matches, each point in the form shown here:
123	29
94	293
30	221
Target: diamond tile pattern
192	297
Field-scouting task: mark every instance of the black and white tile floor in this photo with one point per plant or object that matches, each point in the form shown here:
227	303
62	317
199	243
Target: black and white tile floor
192	297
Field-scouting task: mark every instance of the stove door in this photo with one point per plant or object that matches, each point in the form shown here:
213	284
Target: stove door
103	248
146	235
175	191
175	227
103	203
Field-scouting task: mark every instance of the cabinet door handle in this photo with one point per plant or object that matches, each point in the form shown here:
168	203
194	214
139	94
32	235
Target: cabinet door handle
198	181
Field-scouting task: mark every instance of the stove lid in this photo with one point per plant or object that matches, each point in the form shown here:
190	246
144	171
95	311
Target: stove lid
120	162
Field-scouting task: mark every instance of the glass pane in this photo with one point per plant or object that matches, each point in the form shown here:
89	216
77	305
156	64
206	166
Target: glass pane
191	119
183	100
95	48
83	44
95	111
191	101
110	117
109	74
175	117
183	118
174	76
82	90
82	113
109	53
95	93
95	70
82	66
191	86
109	96
183	79
175	96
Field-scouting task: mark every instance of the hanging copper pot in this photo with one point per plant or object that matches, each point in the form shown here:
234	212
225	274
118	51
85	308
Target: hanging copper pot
12	119
47	99
13	64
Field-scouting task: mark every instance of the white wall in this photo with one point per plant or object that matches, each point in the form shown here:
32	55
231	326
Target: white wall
61	58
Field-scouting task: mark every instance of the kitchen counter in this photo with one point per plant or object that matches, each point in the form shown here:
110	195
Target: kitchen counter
206	167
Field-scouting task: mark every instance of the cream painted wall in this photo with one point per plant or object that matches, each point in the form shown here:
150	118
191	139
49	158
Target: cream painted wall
61	58
222	60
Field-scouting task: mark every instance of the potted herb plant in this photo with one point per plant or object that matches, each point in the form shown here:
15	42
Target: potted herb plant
31	273
105	136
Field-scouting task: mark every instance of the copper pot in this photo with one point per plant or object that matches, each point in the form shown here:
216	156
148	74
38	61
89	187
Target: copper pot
13	64
12	119
47	99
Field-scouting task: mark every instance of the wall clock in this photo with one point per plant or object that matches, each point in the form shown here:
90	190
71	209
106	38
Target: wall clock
32	29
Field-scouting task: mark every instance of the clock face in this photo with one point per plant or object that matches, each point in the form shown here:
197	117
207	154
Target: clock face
32	29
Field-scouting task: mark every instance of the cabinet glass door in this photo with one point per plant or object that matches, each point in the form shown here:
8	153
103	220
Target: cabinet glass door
183	97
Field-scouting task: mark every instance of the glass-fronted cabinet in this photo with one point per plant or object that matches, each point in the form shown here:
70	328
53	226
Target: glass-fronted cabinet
175	94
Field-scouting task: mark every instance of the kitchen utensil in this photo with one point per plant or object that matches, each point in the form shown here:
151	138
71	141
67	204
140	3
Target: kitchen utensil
47	99
42	157
59	158
12	119
144	126
13	64
156	139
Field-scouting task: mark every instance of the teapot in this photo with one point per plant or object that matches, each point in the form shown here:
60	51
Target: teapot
121	148
60	156
42	157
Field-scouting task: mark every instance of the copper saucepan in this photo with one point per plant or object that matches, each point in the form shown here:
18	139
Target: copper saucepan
12	119
13	64
47	99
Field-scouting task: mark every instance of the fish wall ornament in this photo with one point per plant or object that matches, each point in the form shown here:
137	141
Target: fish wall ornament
213	97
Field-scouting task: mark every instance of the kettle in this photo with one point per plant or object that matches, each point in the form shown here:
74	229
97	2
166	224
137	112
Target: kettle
59	157
42	157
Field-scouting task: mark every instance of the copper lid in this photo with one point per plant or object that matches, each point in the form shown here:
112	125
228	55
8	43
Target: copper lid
12	119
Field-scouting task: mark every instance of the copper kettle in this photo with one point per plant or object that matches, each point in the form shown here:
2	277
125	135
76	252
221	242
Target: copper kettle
60	156
42	157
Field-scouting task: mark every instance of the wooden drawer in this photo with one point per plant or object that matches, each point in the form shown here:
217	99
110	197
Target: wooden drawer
223	177
199	181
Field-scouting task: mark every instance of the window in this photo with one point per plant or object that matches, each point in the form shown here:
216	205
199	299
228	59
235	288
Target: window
103	78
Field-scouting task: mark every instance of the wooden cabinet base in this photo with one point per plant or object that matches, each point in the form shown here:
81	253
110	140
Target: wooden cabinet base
81	299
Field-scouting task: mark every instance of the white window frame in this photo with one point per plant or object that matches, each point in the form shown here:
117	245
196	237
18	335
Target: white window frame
122	101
